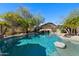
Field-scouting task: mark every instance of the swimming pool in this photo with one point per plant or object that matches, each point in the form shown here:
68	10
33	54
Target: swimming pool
35	45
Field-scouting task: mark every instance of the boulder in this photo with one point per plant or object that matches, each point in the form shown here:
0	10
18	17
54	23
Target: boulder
59	44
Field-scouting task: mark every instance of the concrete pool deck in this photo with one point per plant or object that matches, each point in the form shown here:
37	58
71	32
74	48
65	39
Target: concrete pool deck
72	45
70	50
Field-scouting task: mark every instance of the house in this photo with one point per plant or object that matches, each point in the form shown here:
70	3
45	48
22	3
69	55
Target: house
48	27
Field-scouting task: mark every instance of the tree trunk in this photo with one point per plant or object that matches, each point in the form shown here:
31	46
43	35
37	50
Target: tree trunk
1	35
4	31
26	30
74	32
13	30
71	32
67	31
1	28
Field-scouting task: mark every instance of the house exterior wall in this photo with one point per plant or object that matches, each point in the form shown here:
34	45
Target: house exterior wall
49	26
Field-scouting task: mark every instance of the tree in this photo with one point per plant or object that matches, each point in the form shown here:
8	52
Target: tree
29	20
23	12
71	22
38	19
3	27
12	18
22	18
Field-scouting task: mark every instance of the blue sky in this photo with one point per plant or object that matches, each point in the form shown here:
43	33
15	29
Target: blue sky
54	12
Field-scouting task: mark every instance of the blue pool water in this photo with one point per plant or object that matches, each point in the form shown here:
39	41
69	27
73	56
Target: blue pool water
38	45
